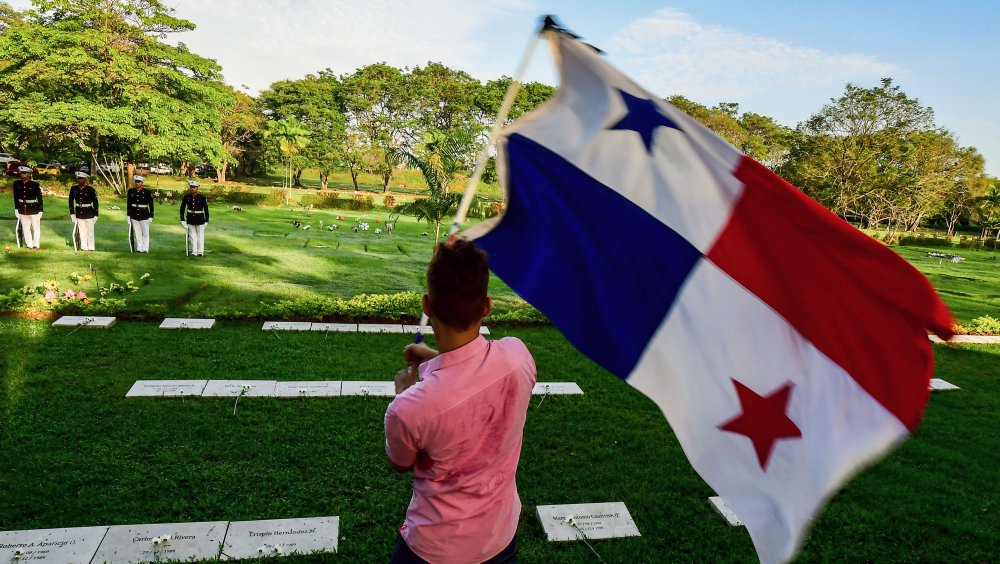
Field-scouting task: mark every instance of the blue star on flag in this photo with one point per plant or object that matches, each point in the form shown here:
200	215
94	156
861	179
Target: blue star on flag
643	117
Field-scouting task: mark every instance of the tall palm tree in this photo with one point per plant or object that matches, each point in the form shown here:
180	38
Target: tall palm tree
438	161
292	137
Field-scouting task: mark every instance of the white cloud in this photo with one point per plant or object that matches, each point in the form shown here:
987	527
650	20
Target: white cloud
671	53
260	41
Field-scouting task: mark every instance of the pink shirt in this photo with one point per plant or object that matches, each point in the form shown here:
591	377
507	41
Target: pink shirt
460	428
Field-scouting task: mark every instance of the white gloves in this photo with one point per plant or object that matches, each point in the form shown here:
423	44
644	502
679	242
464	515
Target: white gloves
17	214
72	217
151	219
40	214
184	224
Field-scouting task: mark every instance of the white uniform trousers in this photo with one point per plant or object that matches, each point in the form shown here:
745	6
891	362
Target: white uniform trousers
31	226
85	227
197	235
140	229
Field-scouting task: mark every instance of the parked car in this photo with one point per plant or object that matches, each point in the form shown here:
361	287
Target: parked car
161	168
5	158
48	168
107	167
12	167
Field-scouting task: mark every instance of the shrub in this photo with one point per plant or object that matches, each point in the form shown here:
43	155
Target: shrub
984	325
389	201
924	241
360	202
238	194
275	198
324	200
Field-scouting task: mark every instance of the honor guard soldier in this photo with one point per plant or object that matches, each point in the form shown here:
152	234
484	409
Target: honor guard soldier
28	207
140	213
195	219
83	210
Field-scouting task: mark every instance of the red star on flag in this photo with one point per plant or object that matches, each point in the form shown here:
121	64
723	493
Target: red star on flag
763	419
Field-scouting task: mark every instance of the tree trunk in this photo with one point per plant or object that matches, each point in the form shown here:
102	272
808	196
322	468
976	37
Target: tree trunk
951	226
386	177
297	176
437	234
354	176
220	172
129	173
324	179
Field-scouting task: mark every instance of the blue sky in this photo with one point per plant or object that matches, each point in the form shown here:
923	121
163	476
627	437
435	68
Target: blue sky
784	59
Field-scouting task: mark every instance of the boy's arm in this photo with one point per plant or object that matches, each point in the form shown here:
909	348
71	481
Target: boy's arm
400	445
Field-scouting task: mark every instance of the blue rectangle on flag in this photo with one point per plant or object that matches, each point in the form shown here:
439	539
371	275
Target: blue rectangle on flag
598	266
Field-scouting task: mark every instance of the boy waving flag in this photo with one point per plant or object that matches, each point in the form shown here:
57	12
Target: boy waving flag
787	349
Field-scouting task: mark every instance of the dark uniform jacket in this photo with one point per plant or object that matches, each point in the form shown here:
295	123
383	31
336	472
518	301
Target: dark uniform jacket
140	204
197	209
83	202
27	197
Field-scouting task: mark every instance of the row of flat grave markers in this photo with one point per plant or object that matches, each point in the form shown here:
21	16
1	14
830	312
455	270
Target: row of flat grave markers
351	327
237	540
172	542
296	389
108	322
979	339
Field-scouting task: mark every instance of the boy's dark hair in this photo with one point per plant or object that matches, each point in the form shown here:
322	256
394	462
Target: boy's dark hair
456	284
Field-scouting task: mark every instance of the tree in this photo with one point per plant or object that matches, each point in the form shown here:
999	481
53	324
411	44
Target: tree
94	75
949	177
855	155
241	122
530	96
290	137
764	140
437	164
379	105
316	101
986	209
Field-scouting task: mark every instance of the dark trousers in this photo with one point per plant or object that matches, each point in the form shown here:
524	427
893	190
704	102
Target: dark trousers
403	555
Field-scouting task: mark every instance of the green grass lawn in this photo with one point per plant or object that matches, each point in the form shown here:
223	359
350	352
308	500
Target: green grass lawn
257	256
75	452
252	256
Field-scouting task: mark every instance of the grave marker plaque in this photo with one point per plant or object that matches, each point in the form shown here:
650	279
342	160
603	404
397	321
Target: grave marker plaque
311	389
163	542
719	505
556	388
426	330
280	537
335	327
232	388
369	388
379	328
166	388
981	339
939	385
586	520
53	546
89	322
184	323
286	326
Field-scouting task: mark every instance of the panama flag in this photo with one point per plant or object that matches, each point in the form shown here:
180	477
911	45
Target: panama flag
786	349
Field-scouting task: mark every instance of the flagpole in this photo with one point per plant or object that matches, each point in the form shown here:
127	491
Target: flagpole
484	153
